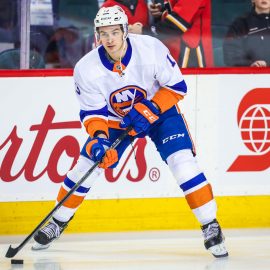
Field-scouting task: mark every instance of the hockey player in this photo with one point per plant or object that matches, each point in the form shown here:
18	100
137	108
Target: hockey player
132	80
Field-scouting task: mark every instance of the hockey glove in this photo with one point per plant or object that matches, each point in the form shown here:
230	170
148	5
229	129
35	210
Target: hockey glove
99	147
140	117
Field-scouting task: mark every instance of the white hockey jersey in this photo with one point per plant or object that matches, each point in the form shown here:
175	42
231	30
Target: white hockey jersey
104	93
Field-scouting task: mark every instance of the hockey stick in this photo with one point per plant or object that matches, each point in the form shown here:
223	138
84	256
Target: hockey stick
13	251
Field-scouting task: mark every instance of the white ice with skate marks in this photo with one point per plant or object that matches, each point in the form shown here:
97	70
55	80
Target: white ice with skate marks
170	250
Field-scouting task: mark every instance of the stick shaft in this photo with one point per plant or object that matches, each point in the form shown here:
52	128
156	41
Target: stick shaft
13	251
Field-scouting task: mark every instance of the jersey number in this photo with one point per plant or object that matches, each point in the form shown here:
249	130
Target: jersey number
171	61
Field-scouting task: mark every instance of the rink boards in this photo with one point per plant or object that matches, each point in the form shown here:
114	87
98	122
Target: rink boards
229	118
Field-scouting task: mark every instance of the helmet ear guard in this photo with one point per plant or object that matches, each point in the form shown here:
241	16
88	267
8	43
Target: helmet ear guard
125	31
97	36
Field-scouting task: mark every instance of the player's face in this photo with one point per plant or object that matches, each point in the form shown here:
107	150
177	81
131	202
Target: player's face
111	37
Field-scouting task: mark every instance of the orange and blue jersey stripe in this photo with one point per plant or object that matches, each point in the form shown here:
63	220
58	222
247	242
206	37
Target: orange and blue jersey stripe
197	191
76	198
101	113
179	88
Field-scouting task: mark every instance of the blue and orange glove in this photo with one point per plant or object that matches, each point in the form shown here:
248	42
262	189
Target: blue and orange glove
140	117
99	147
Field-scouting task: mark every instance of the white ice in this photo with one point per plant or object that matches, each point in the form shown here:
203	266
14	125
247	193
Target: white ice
249	249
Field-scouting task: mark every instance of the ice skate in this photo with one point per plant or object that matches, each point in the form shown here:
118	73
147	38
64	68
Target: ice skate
50	232
214	239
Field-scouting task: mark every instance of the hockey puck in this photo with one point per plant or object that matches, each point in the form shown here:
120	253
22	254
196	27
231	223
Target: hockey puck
16	261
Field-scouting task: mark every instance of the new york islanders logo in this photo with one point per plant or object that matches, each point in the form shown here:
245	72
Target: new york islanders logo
123	99
254	124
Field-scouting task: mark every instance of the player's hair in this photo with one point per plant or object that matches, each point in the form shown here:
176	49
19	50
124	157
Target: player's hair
114	15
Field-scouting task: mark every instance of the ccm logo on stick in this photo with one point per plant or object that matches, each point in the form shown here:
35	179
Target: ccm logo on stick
173	137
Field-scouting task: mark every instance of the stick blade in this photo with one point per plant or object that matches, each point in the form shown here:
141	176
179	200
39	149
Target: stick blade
11	252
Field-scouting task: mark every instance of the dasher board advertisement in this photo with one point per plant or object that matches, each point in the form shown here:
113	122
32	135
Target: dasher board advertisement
41	136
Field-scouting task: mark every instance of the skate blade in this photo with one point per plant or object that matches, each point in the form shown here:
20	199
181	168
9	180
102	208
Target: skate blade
36	246
219	251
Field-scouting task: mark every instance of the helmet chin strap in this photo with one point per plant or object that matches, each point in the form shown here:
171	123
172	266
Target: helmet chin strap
121	56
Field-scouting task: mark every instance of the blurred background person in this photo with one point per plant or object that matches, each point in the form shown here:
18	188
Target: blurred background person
247	42
66	47
185	27
58	32
72	26
8	24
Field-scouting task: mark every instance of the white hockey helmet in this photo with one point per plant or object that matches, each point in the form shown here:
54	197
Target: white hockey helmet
114	15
